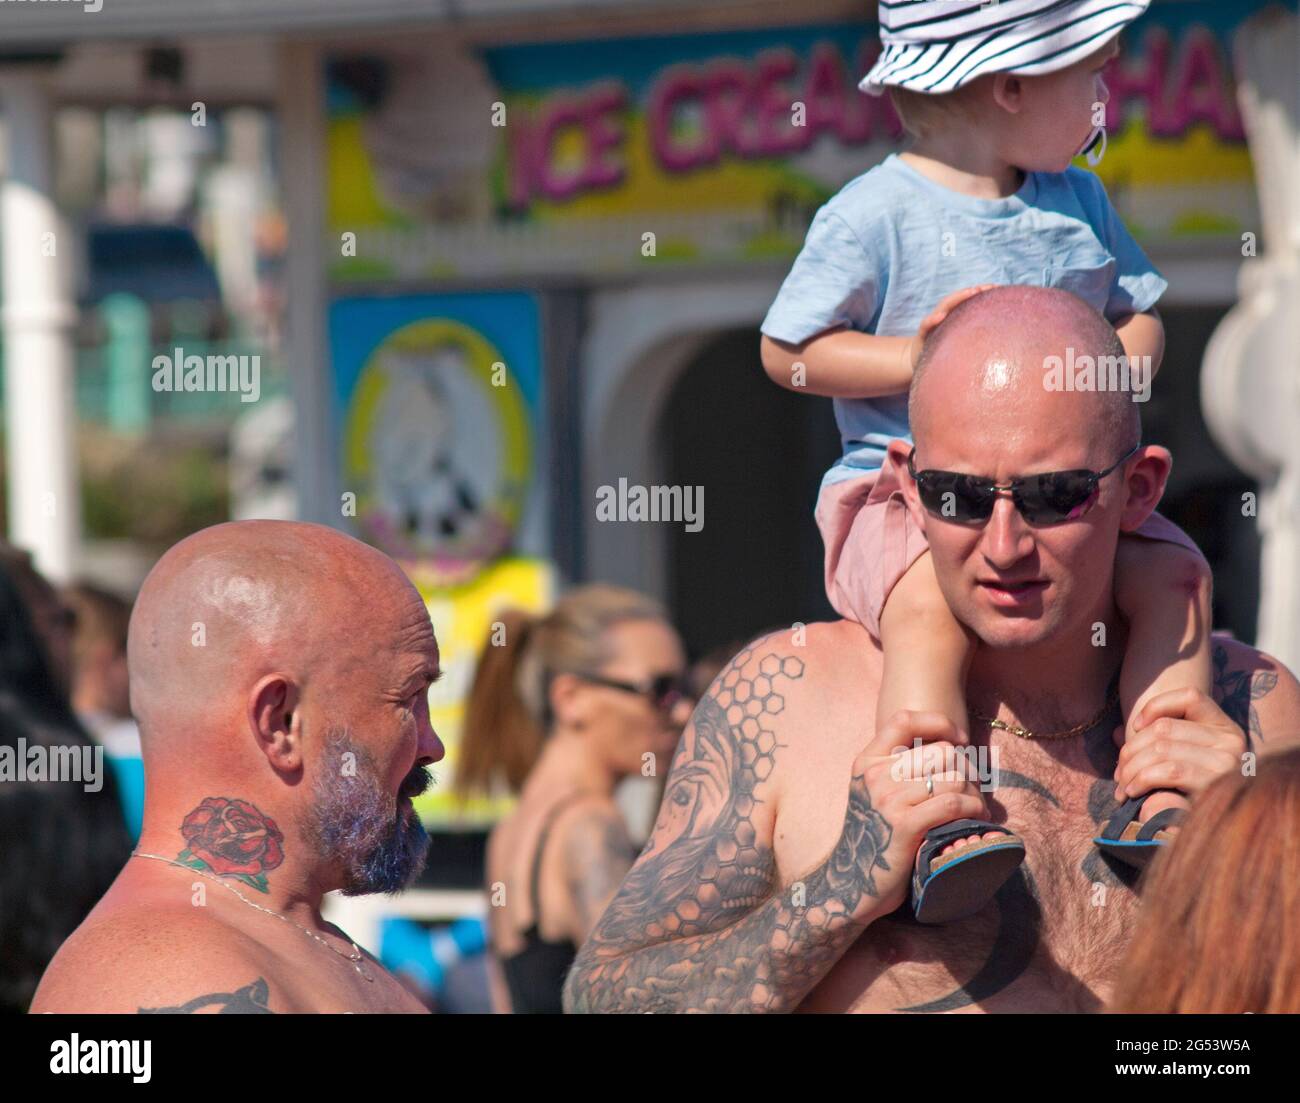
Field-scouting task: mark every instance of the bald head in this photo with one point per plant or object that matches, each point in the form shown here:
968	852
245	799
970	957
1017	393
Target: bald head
238	600
280	675
1003	355
1015	382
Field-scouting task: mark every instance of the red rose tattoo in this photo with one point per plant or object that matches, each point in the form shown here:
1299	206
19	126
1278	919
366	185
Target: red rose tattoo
234	839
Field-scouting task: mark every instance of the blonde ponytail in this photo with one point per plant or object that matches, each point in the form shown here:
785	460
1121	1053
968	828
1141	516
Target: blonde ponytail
507	714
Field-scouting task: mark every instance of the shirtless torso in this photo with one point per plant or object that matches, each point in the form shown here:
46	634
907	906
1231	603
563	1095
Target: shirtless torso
149	948
756	806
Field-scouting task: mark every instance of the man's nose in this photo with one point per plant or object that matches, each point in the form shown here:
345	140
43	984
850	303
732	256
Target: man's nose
429	749
1007	538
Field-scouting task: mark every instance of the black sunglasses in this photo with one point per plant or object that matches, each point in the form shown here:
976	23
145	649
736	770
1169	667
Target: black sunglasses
663	690
1047	499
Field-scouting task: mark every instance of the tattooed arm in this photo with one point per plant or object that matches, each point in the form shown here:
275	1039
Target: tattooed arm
1185	739
597	856
699	926
1261	696
701	923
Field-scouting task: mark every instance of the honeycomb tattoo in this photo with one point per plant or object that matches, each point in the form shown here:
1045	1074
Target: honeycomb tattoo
700	923
712	872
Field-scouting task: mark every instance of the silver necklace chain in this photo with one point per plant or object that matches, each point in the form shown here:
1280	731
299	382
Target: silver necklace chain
356	957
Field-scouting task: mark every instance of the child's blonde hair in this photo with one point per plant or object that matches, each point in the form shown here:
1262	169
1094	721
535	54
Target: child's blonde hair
922	113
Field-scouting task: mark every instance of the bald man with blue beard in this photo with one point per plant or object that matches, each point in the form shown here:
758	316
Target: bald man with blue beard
777	875
280	675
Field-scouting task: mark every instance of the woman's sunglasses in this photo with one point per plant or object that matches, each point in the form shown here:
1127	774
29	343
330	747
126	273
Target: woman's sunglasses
1047	499
663	691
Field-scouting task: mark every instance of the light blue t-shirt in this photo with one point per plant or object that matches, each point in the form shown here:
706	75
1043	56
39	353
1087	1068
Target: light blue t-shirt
883	252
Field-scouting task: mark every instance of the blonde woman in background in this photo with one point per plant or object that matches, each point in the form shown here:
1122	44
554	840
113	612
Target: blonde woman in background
565	708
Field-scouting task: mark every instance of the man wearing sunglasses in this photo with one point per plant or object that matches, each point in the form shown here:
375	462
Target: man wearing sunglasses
782	856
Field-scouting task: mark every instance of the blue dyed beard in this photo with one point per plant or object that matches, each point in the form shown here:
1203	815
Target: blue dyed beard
376	837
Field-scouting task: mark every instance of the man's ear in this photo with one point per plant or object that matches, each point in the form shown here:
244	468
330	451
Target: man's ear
898	451
1143	484
274	719
1009	92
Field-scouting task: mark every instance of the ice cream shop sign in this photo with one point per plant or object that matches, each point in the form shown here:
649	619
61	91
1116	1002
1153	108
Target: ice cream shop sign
778	104
773	105
724	144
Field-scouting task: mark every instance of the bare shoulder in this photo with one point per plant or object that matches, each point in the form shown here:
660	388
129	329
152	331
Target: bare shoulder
802	675
815	654
774	695
820	639
171	959
589	824
1257	692
595	853
586	809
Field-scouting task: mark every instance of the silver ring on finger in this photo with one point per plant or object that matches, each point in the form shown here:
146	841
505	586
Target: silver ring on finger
929	785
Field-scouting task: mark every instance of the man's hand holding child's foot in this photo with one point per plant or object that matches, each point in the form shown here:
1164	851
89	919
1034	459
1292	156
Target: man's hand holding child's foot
1182	738
1157	800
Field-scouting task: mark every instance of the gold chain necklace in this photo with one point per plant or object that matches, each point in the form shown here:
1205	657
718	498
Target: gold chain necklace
1025	733
356	957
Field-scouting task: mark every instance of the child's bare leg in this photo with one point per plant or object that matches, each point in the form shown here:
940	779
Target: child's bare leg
926	654
1163	591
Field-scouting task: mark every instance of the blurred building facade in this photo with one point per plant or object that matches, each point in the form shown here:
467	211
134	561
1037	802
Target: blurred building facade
531	242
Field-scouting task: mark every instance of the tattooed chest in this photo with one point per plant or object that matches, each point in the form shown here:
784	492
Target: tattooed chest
1050	941
1028	951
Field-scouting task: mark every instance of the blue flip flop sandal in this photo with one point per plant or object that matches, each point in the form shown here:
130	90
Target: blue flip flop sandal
962	882
1135	843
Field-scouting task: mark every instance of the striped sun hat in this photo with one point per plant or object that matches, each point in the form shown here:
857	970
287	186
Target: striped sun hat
939	45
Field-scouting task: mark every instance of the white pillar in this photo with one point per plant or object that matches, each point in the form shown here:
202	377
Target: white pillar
301	108
1250	382
37	320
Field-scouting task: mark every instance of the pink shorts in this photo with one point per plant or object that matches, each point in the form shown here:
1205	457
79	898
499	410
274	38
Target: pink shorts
871	541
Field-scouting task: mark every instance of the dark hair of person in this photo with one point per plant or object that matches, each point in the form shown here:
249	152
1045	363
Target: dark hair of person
63	846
